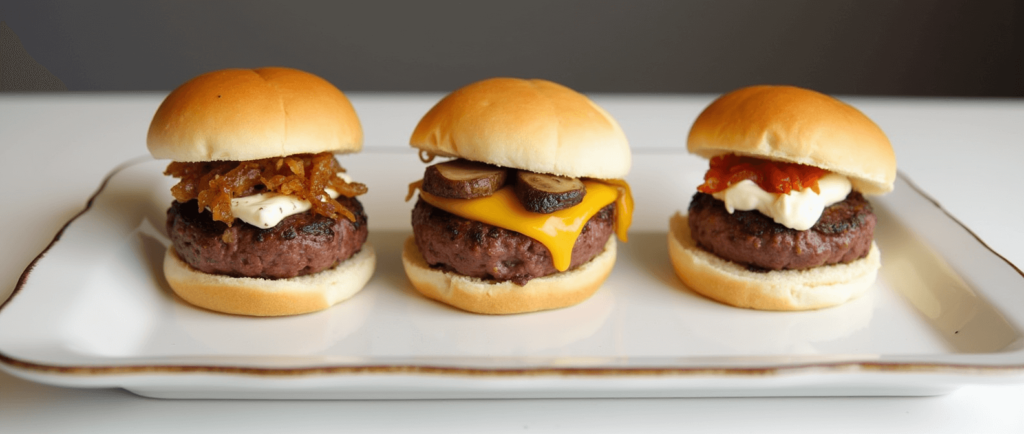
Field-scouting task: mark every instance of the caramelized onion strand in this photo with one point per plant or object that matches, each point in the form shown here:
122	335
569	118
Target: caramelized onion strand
214	183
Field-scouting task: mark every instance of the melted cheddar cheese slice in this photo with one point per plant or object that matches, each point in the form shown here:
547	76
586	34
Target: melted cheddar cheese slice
557	231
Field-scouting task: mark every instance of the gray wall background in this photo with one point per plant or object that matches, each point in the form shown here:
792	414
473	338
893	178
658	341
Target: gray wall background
874	47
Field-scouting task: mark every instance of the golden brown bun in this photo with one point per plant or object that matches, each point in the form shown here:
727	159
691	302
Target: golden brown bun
265	297
730	283
248	114
481	296
799	126
534	125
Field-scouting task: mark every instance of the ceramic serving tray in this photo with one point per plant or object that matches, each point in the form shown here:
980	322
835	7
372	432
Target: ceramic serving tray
94	310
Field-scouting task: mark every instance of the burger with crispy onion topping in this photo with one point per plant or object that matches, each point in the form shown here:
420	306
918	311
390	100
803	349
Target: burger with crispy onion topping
264	220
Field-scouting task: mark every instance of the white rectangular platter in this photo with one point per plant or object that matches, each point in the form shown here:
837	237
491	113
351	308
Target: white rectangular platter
94	311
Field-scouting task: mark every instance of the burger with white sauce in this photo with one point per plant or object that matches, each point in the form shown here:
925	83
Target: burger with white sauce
264	220
781	221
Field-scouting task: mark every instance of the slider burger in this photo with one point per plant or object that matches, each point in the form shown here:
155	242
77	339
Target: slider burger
781	222
522	218
264	220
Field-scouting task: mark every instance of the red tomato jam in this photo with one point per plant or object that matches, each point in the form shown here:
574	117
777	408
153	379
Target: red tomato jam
771	176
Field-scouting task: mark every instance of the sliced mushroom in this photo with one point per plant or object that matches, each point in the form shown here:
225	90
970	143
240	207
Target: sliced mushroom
463	179
542	193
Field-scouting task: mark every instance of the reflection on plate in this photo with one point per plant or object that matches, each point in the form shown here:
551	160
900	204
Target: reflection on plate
945	309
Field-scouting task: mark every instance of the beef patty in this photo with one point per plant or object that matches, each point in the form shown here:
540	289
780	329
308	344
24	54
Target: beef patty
842	234
476	249
301	244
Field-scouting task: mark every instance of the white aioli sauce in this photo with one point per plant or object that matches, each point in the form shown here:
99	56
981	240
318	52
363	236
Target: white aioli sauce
797	210
266	210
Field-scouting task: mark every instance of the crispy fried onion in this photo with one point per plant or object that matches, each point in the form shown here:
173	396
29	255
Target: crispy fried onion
215	183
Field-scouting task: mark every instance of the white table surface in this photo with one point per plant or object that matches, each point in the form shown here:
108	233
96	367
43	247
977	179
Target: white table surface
57	148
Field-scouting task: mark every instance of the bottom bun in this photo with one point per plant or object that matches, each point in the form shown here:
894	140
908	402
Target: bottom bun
265	297
730	283
490	297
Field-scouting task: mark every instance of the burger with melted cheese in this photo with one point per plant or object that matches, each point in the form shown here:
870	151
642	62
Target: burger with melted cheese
521	219
264	220
781	222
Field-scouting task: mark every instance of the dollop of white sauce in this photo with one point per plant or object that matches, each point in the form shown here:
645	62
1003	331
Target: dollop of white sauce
266	210
797	210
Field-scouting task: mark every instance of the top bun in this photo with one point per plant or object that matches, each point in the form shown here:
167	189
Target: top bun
533	125
798	126
249	114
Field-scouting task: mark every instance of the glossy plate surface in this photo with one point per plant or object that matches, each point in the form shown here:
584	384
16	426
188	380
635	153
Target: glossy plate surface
94	311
